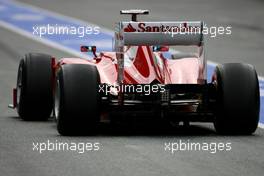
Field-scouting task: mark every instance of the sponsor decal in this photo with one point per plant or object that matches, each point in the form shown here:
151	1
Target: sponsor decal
129	28
144	27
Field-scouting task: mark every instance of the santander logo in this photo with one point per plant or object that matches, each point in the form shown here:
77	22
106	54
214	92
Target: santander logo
143	27
129	28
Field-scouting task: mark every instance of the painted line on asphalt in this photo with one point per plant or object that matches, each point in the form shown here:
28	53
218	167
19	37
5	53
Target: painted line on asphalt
42	40
20	18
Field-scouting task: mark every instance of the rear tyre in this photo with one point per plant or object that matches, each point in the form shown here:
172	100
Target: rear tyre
238	100
34	87
77	99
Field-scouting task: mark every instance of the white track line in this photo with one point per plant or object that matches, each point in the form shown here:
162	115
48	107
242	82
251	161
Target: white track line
261	125
61	16
63	48
42	40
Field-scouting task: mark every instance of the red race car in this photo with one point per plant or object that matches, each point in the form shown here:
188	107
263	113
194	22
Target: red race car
141	77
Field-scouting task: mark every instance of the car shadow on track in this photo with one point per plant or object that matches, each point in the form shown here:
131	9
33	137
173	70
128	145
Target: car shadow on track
143	127
158	128
154	128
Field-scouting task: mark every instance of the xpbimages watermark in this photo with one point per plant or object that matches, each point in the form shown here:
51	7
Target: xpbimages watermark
145	89
212	31
79	31
79	147
187	145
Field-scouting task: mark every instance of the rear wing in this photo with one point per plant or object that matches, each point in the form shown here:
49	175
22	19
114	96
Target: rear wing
159	33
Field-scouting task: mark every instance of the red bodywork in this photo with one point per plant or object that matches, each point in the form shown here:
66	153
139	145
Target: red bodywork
143	66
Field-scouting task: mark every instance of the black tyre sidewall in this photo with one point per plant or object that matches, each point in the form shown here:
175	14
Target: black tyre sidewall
79	99
238	101
36	96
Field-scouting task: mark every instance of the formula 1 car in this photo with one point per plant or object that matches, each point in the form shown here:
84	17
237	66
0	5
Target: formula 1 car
141	77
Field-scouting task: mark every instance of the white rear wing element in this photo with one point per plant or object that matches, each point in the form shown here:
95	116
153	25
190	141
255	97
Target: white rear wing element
159	33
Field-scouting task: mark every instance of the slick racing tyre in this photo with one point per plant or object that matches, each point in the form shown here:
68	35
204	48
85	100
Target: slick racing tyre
34	87
77	99
238	99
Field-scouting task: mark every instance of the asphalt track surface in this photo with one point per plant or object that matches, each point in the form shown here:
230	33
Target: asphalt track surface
134	150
